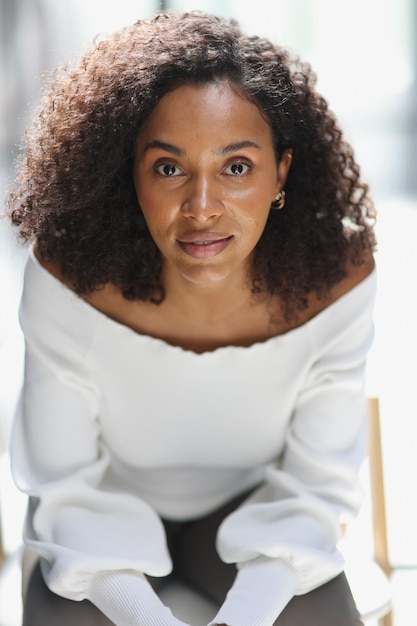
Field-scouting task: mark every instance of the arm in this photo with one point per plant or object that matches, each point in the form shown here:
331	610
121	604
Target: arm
284	537
93	543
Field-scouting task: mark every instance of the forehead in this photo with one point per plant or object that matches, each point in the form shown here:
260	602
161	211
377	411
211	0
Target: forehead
209	109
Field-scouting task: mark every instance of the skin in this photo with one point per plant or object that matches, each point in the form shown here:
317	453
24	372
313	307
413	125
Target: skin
205	170
205	174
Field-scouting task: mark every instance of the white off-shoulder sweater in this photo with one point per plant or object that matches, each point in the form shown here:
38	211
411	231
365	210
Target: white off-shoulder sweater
116	430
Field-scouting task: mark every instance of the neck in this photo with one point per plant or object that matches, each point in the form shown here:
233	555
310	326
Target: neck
208	302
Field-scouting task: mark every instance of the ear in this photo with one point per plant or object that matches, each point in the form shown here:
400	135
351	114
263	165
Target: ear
283	169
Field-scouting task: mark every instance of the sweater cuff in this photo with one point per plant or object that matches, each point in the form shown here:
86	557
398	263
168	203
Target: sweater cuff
128	599
262	589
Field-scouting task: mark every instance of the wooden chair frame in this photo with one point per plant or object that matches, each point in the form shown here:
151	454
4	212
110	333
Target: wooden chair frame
376	474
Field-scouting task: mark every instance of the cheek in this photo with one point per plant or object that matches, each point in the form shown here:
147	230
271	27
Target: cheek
258	197
145	198
149	206
146	191
158	221
257	212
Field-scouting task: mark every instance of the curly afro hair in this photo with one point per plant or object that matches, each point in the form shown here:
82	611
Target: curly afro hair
74	193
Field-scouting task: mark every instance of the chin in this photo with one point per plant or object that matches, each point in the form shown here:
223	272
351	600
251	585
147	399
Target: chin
202	273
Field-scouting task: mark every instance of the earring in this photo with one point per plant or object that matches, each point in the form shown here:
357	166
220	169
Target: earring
279	201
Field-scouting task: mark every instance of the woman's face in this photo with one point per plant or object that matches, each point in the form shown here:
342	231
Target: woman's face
205	174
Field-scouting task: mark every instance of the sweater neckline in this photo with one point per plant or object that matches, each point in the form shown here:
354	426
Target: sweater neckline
324	314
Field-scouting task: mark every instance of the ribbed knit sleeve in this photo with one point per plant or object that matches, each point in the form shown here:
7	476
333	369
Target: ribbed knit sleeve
284	537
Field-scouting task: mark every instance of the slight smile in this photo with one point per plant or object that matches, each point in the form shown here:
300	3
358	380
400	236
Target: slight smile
204	245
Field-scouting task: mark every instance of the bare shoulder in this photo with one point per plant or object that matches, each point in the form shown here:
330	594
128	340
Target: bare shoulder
355	274
53	268
107	299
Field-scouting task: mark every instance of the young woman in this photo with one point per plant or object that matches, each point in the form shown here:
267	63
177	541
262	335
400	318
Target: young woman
197	311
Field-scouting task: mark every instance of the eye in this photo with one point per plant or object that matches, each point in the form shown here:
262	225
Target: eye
168	169
238	168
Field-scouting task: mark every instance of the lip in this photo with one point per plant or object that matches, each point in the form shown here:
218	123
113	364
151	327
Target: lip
202	236
204	245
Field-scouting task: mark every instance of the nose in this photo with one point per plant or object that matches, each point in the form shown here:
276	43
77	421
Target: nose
202	201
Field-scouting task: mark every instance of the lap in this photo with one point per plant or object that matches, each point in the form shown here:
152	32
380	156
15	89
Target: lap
326	606
197	563
192	546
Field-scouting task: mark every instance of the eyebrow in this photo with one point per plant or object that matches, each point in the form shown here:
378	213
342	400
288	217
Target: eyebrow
169	147
239	145
163	145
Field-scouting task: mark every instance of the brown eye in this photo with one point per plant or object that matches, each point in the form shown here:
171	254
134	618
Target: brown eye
238	169
168	169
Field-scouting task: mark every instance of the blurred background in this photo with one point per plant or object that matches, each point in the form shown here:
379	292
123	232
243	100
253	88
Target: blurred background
365	56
